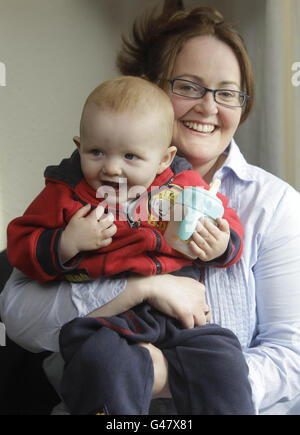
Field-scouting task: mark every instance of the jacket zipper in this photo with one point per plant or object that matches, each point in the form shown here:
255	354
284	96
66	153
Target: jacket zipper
158	266
156	263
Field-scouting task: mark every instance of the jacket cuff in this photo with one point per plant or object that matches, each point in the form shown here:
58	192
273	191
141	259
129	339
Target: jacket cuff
48	256
230	256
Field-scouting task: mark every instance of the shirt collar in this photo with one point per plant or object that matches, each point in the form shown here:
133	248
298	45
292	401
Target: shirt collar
236	163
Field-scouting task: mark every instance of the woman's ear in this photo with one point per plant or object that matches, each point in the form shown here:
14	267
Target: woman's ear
167	159
76	140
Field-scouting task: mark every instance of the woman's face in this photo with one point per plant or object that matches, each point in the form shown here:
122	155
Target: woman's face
203	129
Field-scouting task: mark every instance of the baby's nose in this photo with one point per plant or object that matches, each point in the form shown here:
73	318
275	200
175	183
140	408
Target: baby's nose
112	167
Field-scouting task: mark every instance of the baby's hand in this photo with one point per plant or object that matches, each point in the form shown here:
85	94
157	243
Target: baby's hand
87	232
209	241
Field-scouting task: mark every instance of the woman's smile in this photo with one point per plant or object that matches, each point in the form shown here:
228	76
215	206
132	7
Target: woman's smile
200	127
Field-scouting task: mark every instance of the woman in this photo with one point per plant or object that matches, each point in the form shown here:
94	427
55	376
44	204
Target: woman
202	64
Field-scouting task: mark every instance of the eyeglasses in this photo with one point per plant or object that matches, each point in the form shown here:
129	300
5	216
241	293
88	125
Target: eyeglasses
225	97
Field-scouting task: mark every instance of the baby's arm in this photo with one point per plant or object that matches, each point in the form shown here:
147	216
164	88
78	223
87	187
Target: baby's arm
210	241
34	239
86	232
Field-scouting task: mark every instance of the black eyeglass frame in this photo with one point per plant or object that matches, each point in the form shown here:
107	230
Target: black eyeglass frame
214	91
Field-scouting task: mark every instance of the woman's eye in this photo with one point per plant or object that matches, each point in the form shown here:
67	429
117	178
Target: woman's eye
188	88
130	156
228	94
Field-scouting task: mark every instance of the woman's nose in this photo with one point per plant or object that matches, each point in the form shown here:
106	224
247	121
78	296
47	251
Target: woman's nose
207	105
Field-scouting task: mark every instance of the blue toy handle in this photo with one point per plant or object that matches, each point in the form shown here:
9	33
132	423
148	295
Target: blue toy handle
188	225
198	202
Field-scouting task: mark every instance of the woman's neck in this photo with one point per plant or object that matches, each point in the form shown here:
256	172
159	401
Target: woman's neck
208	170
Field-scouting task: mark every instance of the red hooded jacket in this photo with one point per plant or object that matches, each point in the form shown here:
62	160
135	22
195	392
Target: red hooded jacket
137	247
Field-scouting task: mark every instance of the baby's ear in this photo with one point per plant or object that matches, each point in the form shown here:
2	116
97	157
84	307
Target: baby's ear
76	140
167	159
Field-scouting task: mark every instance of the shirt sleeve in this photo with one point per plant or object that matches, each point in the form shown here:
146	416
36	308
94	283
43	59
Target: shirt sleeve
34	313
274	355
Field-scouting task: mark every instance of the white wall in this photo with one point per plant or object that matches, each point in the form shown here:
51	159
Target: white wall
55	53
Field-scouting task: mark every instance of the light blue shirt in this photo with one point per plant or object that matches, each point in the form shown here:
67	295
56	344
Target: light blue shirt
258	298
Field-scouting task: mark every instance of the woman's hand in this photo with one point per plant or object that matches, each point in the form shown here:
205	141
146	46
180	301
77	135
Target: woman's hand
179	297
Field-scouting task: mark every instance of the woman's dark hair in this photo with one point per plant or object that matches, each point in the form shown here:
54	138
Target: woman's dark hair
155	42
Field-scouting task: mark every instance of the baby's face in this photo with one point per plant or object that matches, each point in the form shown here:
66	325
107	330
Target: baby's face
122	146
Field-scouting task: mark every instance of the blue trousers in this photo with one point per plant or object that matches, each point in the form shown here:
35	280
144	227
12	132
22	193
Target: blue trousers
107	371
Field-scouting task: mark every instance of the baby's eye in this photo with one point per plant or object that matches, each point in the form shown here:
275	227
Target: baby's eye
97	153
130	156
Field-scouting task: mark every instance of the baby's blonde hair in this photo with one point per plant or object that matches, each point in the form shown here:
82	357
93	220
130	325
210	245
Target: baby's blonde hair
134	95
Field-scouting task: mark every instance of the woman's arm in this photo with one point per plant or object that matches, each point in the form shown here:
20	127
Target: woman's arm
179	297
34	313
